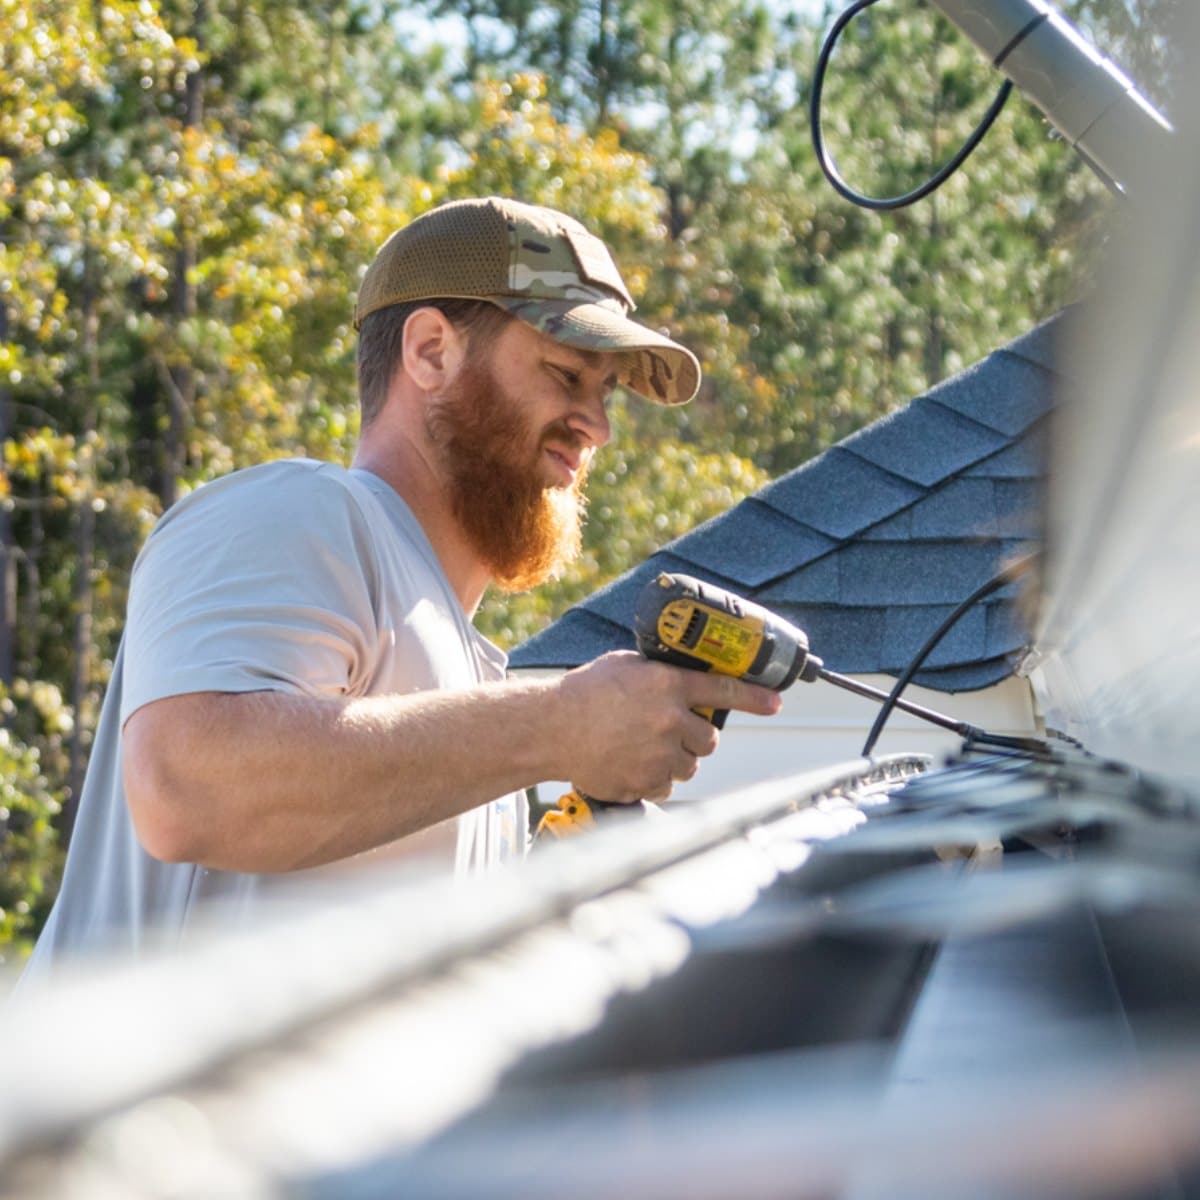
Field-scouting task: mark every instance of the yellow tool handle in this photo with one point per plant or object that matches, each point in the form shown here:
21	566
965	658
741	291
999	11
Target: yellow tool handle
715	716
576	813
572	815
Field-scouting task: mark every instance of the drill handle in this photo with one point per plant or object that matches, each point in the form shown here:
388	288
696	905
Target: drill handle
714	715
576	812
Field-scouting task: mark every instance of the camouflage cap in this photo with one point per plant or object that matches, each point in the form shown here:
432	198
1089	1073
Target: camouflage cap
538	264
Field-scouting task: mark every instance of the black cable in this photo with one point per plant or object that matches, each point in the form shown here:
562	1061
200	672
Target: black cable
1013	571
826	159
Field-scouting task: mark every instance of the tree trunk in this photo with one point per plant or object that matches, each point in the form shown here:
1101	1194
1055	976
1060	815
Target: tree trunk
604	65
935	323
8	548
181	391
29	597
564	51
327	84
85	553
677	219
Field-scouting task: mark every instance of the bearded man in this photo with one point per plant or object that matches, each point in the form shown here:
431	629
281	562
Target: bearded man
300	684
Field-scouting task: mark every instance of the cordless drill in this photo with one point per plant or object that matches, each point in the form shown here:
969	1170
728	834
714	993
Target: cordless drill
697	625
687	623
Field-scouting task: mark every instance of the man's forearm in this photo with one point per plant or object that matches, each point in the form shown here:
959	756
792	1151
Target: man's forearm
267	781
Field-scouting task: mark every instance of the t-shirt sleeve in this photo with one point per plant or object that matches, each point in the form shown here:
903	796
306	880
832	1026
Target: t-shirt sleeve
263	581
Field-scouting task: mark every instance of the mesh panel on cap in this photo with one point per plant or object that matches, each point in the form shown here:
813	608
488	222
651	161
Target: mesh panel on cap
458	250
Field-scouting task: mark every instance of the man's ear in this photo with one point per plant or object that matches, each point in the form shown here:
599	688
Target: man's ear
433	349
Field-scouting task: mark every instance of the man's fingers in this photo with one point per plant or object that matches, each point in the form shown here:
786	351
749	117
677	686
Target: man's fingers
724	691
699	735
639	726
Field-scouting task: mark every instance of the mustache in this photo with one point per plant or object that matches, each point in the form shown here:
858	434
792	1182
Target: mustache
562	434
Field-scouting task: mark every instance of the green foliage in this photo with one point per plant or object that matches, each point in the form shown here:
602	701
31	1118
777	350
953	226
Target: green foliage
29	857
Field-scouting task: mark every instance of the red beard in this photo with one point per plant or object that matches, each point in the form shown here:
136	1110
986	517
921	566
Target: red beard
524	531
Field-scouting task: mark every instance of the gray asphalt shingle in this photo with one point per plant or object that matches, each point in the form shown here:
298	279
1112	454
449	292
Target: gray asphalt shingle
969	678
817	583
963	507
1005	630
925	443
1041	345
1004	392
837	494
916	574
841	637
1025	458
871	544
760	545
906	629
1019	508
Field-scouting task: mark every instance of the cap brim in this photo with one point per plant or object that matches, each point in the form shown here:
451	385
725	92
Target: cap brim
654	366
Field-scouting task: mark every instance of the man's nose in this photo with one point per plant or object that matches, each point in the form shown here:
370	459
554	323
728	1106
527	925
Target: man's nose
589	419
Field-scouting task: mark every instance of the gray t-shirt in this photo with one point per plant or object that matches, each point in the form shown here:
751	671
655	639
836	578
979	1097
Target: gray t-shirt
299	577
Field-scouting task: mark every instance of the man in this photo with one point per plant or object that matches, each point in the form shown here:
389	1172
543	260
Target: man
299	682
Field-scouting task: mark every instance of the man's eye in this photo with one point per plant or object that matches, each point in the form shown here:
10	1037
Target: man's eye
569	377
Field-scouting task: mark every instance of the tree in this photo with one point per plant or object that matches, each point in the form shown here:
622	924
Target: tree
64	69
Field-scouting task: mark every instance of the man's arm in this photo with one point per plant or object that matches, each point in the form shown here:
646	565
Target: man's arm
271	781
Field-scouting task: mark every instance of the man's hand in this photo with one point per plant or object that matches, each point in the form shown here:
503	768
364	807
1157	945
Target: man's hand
633	732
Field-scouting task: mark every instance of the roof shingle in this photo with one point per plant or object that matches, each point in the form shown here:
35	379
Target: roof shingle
837	493
925	442
760	545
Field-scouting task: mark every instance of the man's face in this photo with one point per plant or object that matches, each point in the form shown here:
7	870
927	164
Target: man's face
517	428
